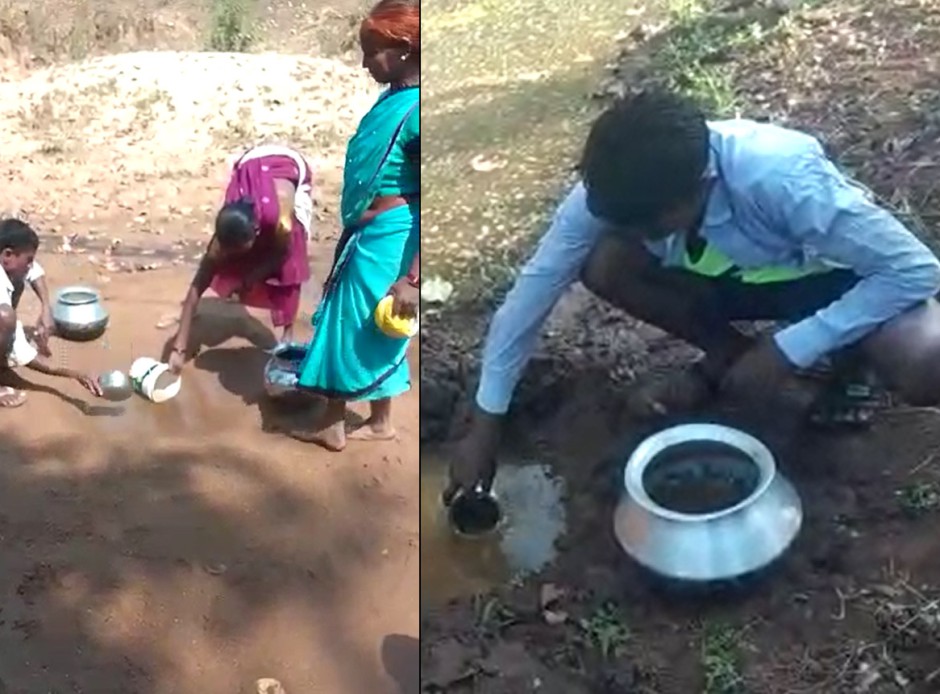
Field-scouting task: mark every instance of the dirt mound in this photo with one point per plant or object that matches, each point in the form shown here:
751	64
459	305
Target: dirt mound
138	104
126	137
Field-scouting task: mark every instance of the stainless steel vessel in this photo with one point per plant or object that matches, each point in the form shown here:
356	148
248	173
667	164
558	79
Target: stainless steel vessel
78	313
115	386
282	369
671	521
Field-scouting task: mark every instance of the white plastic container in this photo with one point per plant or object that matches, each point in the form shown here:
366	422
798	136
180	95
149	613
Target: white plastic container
152	379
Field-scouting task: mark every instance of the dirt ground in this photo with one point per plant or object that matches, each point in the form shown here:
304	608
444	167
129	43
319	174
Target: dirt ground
189	546
853	606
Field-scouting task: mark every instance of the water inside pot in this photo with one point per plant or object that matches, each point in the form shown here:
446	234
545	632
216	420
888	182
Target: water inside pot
78	297
700	477
291	357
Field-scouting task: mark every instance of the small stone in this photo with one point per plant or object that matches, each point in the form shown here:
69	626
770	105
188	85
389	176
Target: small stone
217	570
268	685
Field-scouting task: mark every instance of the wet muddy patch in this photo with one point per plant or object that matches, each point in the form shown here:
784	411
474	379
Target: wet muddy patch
532	520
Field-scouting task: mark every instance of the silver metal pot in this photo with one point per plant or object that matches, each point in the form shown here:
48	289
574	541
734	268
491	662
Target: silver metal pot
705	503
78	313
283	369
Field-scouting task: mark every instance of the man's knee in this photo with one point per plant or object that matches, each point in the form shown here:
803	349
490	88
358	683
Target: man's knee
906	352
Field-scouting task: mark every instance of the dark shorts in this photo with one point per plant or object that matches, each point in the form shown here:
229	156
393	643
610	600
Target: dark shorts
788	301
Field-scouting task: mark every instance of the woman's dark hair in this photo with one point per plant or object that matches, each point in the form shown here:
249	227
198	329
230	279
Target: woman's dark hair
644	155
235	224
18	236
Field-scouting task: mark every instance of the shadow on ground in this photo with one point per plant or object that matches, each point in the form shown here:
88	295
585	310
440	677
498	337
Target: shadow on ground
121	574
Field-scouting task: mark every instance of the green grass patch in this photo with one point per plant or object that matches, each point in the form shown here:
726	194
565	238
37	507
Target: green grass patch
720	660
919	499
233	26
605	631
695	54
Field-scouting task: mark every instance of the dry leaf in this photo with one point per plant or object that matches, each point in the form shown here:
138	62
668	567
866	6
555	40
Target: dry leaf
483	165
167	321
550	593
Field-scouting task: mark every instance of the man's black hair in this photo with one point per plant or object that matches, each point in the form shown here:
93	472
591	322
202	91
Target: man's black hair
18	236
235	224
643	155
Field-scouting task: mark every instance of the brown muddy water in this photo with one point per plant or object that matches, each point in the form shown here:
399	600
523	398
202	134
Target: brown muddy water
532	504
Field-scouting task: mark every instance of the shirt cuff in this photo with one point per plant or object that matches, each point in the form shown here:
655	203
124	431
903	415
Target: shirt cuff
804	343
493	394
22	351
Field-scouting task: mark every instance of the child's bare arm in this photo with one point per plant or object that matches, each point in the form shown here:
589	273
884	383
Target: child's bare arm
87	382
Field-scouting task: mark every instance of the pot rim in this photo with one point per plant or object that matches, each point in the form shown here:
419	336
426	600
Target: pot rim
652	446
62	294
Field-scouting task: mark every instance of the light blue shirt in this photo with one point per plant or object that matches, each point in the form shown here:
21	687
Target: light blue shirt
776	200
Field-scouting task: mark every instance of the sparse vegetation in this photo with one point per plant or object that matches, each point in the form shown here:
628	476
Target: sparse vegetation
720	660
233	29
605	631
919	499
694	53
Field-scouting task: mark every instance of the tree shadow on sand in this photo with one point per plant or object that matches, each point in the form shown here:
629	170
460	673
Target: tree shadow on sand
401	657
106	561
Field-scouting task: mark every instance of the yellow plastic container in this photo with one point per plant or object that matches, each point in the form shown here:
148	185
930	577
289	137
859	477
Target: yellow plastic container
391	325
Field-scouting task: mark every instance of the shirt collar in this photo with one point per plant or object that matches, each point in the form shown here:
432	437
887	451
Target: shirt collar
6	284
718	206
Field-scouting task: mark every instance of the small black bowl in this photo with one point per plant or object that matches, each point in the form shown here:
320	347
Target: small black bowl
473	514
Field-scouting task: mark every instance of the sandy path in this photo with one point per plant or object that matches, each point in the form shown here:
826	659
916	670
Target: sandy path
178	548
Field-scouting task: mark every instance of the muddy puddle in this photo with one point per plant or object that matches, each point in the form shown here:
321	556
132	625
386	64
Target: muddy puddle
531	501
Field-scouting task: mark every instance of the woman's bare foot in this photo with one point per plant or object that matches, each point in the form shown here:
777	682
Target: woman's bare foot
288	334
373	430
11	398
332	438
330	430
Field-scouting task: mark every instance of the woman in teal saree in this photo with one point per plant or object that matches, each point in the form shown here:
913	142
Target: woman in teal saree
349	358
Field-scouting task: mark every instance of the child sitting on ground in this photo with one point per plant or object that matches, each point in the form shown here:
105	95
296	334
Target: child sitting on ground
18	246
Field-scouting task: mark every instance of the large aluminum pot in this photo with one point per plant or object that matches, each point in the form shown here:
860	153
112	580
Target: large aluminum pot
78	313
705	503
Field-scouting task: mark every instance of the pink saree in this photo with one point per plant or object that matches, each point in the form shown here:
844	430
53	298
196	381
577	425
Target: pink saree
279	293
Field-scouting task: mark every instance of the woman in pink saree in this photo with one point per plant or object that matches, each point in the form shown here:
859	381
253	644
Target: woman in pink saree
258	253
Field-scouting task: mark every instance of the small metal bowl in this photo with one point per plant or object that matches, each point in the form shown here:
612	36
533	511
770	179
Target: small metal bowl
474	514
115	386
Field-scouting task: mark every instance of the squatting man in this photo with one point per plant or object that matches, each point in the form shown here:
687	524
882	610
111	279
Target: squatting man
693	226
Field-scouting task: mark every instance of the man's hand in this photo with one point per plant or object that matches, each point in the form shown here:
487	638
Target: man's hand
44	330
89	383
176	361
475	461
761	369
406	298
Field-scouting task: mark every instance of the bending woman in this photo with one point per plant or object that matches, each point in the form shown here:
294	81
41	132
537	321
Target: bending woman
349	358
258	253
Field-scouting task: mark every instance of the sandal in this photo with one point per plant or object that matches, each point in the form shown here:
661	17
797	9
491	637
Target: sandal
847	406
11	398
682	390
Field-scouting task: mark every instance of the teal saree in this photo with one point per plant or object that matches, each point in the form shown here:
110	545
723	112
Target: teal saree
348	357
